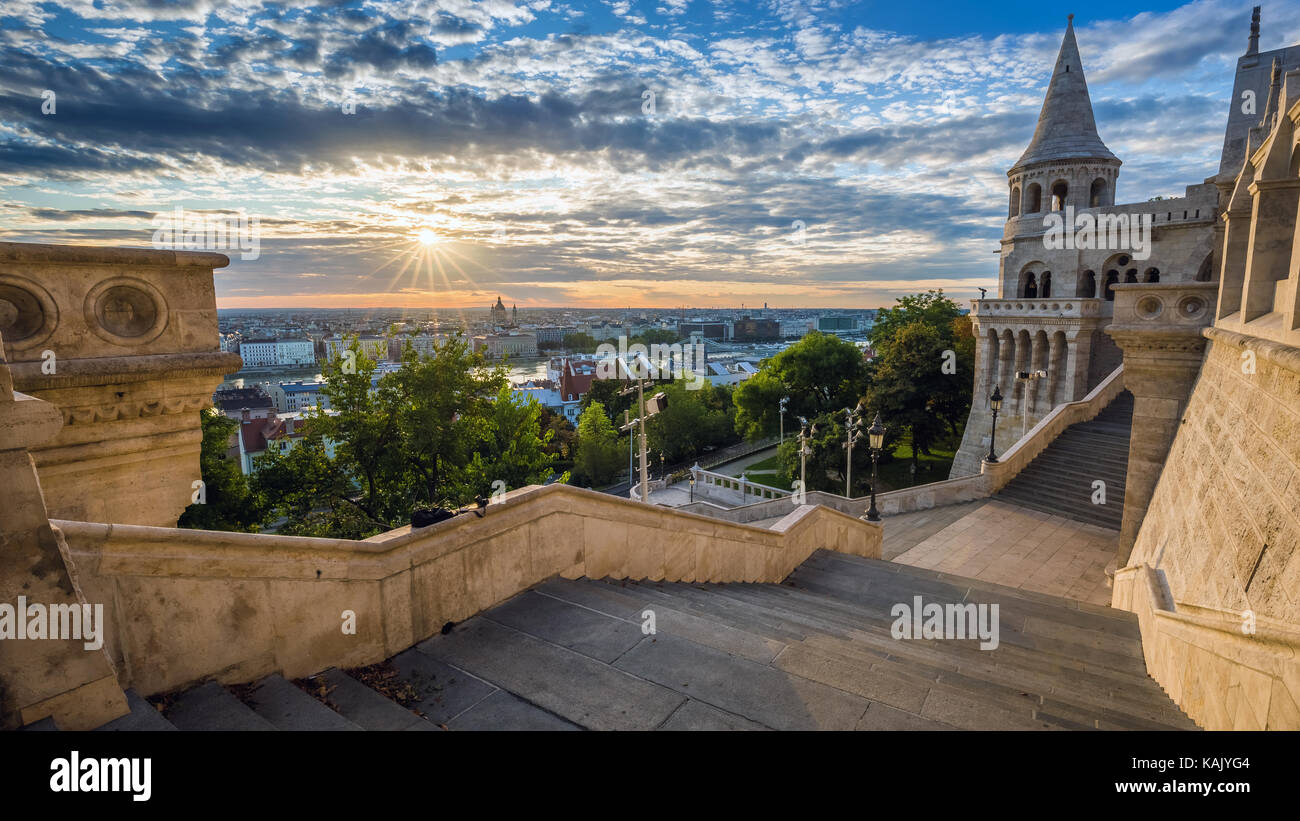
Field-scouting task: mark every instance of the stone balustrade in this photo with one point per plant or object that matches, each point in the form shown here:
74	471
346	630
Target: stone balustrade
185	605
725	488
1047	308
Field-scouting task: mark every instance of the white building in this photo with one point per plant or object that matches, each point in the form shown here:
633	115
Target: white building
296	352
258	353
374	347
299	395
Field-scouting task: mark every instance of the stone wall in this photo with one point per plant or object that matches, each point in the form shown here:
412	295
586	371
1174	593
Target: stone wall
184	605
1224	522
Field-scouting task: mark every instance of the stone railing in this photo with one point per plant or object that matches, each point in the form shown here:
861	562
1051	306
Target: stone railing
1053	308
726	488
1015	458
1224	671
185	605
994	476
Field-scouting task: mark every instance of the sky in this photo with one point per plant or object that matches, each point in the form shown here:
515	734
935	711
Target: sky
668	153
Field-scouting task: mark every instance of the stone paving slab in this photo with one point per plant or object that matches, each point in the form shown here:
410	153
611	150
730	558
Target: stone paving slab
1022	548
761	693
444	691
503	711
578	688
582	629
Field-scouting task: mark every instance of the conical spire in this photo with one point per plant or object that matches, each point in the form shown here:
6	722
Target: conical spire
1066	128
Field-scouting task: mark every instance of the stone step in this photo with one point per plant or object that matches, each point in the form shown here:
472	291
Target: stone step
897	692
1068	484
1136	714
1110	518
143	716
209	706
563	682
286	706
368	708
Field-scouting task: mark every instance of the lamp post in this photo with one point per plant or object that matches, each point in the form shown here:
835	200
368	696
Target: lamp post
805	433
876	439
692	487
851	435
995	402
784	401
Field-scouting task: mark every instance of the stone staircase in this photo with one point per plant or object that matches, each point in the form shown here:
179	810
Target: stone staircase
814	652
1060	479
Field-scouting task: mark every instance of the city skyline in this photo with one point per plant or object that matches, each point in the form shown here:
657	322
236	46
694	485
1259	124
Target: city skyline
619	154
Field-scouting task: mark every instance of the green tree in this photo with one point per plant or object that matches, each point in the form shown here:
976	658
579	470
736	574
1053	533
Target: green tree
924	366
599	457
438	431
229	503
693	420
820	373
580	343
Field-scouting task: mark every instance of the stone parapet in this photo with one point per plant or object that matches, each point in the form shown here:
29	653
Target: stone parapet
186	605
123	341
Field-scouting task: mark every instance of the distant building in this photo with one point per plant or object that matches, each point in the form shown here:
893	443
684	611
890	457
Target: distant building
497	313
374	347
552	334
746	329
278	433
258	353
496	346
233	402
838	324
295	352
717	331
424	344
299	395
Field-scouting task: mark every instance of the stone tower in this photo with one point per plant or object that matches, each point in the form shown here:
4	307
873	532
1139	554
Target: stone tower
1054	282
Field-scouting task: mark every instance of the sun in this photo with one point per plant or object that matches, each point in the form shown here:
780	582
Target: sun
427	236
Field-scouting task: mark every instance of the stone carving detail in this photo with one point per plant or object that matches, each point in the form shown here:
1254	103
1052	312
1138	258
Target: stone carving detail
126	311
89	414
27	314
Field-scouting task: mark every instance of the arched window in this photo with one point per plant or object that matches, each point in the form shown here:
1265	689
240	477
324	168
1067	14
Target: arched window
1059	191
1045	285
1033	198
1152	275
1031	286
1015	202
1087	288
1097	194
1112	277
1131	275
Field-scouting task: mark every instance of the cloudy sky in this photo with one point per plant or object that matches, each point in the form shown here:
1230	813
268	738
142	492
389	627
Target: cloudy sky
661	153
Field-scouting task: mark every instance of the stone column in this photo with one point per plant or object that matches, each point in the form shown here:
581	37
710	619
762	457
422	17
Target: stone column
1037	361
1055	363
1078	357
1022	354
1159	329
44	677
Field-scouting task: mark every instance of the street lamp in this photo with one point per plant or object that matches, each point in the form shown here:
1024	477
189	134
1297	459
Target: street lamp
805	433
851	435
692	487
784	401
995	402
876	439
